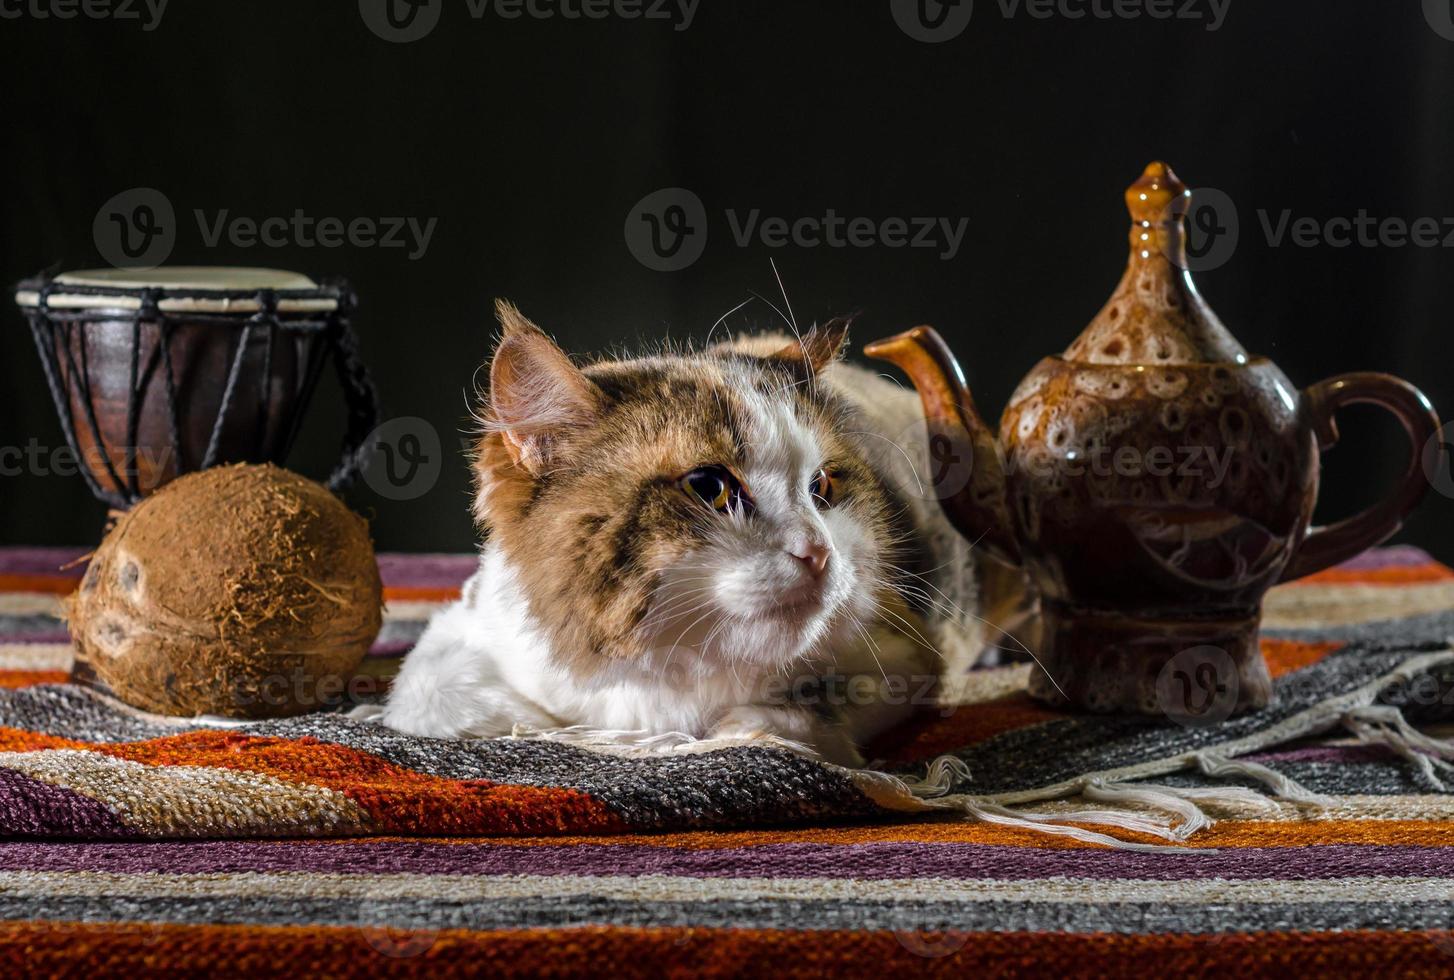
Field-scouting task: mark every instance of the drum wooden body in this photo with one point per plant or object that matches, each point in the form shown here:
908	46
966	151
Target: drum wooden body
161	373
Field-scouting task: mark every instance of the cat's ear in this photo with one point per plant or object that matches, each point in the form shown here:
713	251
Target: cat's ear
818	348
536	394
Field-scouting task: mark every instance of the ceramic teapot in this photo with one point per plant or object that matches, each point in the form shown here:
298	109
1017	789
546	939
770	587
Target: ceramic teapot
1153	481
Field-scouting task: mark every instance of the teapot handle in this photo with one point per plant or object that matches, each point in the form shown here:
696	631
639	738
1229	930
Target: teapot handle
1326	546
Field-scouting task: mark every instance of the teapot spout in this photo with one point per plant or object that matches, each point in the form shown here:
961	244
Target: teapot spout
967	468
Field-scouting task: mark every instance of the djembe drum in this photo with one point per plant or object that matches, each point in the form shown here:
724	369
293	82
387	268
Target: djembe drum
166	371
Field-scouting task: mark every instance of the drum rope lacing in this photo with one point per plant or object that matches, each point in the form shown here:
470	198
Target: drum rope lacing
56	330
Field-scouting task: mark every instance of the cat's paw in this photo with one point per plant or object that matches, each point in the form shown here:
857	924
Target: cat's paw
822	739
434	708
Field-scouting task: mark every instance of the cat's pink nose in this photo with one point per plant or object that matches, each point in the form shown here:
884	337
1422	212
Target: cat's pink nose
813	555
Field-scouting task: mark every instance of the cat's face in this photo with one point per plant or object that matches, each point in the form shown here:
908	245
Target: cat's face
709	504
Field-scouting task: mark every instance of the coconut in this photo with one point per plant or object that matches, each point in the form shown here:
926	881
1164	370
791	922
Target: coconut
245	591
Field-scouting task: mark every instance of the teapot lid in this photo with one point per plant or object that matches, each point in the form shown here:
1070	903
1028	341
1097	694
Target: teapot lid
1156	315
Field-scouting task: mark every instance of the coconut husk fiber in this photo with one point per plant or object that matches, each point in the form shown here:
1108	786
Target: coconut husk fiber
245	591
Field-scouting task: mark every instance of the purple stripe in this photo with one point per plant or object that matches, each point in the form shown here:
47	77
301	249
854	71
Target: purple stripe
430	571
57	636
1340	754
868	861
1392	557
427	571
41	561
391	648
31	807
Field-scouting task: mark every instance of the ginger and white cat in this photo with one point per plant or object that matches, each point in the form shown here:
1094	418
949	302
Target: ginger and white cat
724	543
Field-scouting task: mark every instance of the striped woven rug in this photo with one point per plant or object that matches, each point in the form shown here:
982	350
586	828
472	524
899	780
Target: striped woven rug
1317	834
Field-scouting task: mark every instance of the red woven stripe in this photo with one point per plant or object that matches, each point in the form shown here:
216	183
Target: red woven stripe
104	949
1390	575
27	678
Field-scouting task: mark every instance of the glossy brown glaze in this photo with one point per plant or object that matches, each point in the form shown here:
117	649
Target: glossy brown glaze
1155	480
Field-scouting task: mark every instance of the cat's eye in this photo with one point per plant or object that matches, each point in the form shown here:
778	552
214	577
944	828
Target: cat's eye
822	488
716	487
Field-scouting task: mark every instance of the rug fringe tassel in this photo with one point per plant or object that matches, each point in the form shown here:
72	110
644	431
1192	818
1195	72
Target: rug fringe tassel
1278	784
1385	725
929	793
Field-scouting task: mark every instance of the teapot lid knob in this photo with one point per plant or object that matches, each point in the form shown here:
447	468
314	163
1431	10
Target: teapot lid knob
1156	316
1149	198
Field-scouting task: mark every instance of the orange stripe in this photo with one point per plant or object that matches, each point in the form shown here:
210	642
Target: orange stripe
60	585
20	740
1392	575
1286	656
92	949
50	584
27	678
420	593
930	830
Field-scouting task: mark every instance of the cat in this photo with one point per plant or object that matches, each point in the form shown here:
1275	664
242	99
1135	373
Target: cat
726	543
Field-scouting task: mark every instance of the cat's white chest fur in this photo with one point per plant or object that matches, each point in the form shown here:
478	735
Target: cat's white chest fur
484	666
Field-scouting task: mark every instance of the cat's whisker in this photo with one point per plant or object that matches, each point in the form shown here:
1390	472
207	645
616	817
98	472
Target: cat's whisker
907	628
692	625
873	648
723	317
1007	635
672	611
792	317
914	469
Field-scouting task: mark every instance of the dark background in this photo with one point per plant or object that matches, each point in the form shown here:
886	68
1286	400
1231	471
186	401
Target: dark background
531	140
